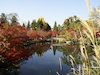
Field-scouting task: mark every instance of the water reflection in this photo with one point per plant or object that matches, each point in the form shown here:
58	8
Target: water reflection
39	48
11	65
73	50
40	58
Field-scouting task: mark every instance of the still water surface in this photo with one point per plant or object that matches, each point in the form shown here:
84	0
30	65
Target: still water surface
45	60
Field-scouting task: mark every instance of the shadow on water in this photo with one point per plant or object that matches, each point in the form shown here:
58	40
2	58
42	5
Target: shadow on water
40	59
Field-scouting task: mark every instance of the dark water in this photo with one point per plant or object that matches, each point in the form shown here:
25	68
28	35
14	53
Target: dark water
48	64
44	60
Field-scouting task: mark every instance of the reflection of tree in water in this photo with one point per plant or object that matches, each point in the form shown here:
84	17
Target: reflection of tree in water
67	50
11	65
8	69
73	50
54	50
39	48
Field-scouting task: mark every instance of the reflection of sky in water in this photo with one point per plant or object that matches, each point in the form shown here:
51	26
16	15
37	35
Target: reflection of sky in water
44	65
45	62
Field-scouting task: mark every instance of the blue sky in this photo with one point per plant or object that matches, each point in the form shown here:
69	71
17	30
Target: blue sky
51	10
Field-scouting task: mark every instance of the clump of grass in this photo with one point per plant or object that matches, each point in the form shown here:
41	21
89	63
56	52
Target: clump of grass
89	66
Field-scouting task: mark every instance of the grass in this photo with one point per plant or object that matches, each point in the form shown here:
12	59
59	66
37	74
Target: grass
89	66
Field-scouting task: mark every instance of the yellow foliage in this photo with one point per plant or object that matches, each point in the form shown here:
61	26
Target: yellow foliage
6	24
44	24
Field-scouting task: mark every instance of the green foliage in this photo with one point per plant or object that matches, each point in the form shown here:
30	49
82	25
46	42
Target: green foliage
33	25
3	15
41	24
4	18
10	19
23	25
59	28
99	42
67	36
70	19
28	25
55	26
66	24
71	23
14	21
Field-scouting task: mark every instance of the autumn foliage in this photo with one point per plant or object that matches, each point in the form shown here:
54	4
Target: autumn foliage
54	33
11	42
68	31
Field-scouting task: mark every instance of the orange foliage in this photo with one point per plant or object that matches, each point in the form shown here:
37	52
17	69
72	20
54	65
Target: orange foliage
54	33
48	34
12	39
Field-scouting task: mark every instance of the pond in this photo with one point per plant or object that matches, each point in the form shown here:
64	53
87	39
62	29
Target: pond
43	60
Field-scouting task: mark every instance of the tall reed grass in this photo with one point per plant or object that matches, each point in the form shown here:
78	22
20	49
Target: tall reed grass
90	66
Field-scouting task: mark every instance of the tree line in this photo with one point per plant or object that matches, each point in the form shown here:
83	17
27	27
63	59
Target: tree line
69	23
12	20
